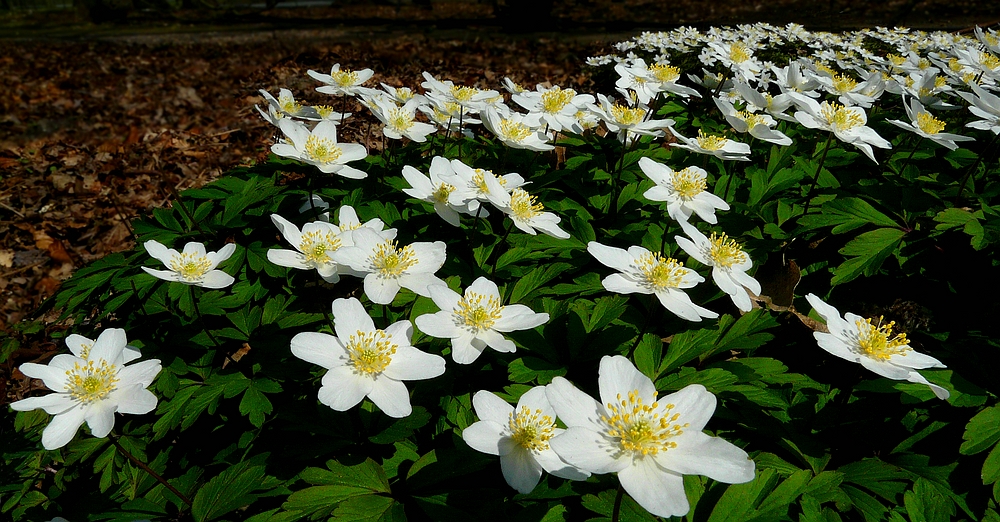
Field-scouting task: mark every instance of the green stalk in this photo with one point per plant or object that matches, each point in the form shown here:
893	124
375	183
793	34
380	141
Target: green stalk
826	148
142	465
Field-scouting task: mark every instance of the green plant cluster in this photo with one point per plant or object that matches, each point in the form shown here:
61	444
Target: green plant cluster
239	433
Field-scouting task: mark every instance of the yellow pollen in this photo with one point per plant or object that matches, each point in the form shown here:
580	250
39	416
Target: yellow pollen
399	119
477	314
317	246
954	65
530	429
843	83
191	267
345	77
877	341
923	63
710	142
85	350
440	194
404	94
725	252
640	428
555	99
391	261
738	53
989	61
514	130
324	111
688	183
660	272
752	119
825	68
524	206
323	150
940	81
626	116
840	117
665	73
929	124
90	383
969	78
896	60
370	352
464	94
289	105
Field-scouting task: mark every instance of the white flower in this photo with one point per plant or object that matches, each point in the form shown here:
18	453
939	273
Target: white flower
285	105
483	185
555	107
91	386
399	121
645	272
475	320
319	147
628	121
520	437
314	247
757	125
846	123
925	125
650	443
984	105
389	267
718	146
684	191
193	266
349	222
515	130
341	82
525	211
442	189
728	261
364	361
873	346
446	91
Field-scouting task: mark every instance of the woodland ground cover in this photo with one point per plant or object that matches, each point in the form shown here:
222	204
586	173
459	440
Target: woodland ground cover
796	170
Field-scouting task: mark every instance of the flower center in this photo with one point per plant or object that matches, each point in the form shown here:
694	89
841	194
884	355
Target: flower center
877	341
345	77
707	142
739	53
665	73
399	119
896	60
530	429
725	252
464	94
840	117
317	246
843	83
404	94
626	116
479	181
370	352
289	105
752	120
555	99
476	314
323	150
524	206
90	383
191	267
514	130
440	195
639	428
324	111
688	183
929	124
988	60
660	272
391	261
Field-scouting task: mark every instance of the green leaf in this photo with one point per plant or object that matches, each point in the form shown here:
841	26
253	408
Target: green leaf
846	214
604	503
533	369
231	489
981	432
255	404
369	508
991	468
535	279
870	250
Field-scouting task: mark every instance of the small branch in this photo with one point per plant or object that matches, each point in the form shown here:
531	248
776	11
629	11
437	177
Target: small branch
147	469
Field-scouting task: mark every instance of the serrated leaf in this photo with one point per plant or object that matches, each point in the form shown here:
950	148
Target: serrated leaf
981	432
868	251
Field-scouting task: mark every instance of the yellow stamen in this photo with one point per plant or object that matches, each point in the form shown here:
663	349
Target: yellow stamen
441	193
524	206
370	352
317	246
530	429
390	261
660	272
555	99
688	183
90	383
323	150
710	142
641	429
665	73
191	267
725	252
929	124
477	314
514	130
877	341
840	117
626	116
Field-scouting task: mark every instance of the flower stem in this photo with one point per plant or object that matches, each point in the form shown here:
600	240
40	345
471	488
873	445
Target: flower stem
819	168
906	162
616	511
180	206
147	469
496	258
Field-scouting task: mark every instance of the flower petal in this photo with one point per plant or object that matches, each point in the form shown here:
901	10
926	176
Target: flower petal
618	377
552	464
589	450
63	428
484	436
657	490
53	403
319	348
391	396
136	401
141	373
343	388
349	317
410	364
381	290
109	345
100	418
694	403
521	470
573	406
699	454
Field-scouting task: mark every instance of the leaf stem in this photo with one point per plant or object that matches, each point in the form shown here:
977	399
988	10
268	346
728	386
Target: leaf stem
819	168
114	441
616	511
